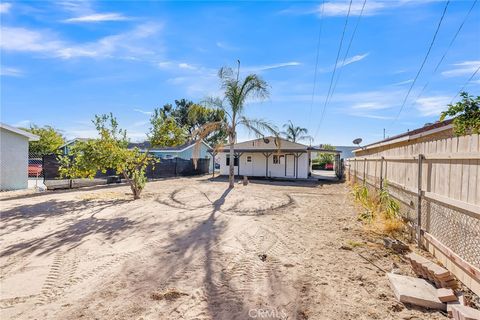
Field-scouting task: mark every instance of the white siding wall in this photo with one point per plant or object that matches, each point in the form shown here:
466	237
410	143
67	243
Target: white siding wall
257	168
13	161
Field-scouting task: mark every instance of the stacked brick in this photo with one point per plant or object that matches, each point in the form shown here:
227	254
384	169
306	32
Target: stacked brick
424	268
444	280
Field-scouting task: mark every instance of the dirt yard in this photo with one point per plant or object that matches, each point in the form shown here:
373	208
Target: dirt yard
193	249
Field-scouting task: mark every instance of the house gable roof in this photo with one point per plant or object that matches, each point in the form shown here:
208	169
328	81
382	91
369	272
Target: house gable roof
69	142
30	136
267	144
270	142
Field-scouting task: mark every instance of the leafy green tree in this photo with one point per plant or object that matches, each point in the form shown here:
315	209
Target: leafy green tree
295	133
192	116
236	93
50	140
466	113
109	151
164	130
325	158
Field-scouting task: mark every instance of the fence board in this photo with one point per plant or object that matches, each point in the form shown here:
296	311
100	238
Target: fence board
450	202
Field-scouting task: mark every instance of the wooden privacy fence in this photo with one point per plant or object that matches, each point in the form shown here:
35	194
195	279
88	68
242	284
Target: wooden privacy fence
438	188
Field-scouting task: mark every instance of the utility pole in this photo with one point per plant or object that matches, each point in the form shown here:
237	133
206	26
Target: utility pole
383	133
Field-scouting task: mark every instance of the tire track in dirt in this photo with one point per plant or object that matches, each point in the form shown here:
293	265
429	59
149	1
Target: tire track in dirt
277	207
62	274
233	288
14	264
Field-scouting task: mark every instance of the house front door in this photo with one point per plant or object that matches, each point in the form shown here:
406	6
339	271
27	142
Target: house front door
249	165
289	165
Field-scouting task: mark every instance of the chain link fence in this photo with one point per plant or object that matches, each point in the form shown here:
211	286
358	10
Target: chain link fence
166	168
35	171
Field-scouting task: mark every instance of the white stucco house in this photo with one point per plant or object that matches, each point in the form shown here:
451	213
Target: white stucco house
268	157
14	157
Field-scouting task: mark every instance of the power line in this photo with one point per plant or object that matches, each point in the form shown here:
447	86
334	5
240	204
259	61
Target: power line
316	64
335	67
466	83
422	65
448	48
348	49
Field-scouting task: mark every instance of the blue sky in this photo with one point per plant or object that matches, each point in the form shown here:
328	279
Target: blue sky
64	61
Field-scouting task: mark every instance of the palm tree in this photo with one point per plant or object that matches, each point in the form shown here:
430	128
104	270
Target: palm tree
236	93
295	133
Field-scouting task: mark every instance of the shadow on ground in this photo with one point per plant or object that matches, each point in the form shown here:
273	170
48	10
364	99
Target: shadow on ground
27	217
310	183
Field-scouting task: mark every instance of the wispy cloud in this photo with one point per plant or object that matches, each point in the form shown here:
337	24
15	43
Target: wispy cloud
11	72
370	106
353	59
370	116
5	7
340	8
225	46
143	111
43	41
335	9
341	63
376	104
271	66
432	106
97	17
401	83
462	69
184	65
77	7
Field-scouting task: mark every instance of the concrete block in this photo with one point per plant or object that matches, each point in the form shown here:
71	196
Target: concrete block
465	313
460	301
446	295
415	291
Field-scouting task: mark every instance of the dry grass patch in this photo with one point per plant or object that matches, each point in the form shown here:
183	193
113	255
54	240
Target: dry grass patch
379	211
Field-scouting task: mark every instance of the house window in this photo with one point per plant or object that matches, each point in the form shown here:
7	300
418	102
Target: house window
276	159
235	161
249	158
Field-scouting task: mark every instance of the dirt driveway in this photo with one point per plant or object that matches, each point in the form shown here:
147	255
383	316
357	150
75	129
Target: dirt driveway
193	249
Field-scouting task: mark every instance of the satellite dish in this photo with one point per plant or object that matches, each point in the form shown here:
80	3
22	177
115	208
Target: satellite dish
357	141
266	140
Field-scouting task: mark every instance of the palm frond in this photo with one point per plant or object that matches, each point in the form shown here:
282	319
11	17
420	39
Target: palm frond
200	134
258	126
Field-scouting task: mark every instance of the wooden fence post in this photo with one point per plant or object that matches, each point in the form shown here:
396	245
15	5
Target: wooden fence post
355	171
349	176
381	173
364	171
419	201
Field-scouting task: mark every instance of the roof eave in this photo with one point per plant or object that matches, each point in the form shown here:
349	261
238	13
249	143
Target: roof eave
30	136
405	138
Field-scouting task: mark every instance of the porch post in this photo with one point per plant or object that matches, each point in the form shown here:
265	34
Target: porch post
267	155
213	153
238	155
297	156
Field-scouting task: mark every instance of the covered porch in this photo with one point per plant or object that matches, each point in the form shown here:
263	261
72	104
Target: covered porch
268	163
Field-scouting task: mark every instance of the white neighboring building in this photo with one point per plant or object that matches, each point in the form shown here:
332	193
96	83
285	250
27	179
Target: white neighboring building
14	157
268	157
